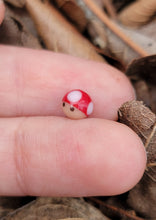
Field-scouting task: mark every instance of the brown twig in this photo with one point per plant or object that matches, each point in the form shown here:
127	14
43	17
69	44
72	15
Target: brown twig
104	18
151	164
116	209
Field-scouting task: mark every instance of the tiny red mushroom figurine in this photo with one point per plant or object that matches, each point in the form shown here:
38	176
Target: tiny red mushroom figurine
77	104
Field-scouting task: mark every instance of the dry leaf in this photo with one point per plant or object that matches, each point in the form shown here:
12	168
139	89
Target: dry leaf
142	92
57	208
9	204
97	33
118	48
142	198
73	13
143	70
114	209
152	89
108	5
72	219
125	53
138	13
13	31
16	3
119	5
149	29
143	121
144	67
57	34
24	18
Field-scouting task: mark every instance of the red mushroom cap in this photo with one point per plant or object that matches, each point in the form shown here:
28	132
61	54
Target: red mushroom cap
80	100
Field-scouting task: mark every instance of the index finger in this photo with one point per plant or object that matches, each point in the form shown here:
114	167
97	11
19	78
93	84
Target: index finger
33	82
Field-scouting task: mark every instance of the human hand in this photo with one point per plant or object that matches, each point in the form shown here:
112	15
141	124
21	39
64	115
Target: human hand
44	153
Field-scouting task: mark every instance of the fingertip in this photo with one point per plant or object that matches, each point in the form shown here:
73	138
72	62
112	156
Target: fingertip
116	157
121	90
133	164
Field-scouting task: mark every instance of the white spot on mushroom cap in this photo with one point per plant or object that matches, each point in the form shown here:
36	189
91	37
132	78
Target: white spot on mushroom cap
90	108
74	96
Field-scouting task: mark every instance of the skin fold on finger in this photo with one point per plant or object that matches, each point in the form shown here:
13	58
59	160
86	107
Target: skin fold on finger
40	156
34	82
2	10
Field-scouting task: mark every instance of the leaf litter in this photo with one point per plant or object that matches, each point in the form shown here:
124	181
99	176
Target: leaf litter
83	30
